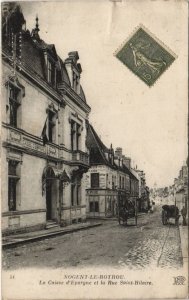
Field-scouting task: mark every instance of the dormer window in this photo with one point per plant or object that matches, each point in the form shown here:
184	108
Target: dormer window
49	66
74	70
76	83
51	72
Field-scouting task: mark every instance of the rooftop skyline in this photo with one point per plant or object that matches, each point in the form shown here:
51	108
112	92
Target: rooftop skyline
150	124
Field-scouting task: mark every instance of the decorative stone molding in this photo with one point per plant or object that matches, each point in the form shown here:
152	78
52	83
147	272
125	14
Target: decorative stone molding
14	155
33	145
15	136
13	79
22	212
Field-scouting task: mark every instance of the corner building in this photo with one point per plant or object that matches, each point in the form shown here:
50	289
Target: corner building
109	181
44	112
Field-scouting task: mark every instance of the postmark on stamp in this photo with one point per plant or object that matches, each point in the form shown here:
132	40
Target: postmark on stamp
145	55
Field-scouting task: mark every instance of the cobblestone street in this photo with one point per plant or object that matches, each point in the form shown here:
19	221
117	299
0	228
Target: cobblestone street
148	244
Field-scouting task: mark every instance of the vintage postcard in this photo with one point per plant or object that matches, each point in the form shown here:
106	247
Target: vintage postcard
94	162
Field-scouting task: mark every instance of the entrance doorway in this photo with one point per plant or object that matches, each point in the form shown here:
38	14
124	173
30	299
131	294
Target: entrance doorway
94	209
50	185
49	199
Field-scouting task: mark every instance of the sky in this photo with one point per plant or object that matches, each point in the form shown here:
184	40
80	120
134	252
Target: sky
150	124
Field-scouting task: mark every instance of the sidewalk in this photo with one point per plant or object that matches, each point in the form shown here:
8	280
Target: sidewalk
23	238
15	240
184	244
140	214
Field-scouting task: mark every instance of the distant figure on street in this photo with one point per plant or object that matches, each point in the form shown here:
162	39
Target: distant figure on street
184	213
150	208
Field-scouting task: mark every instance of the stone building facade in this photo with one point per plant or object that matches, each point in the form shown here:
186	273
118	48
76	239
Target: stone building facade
180	189
109	181
44	113
144	194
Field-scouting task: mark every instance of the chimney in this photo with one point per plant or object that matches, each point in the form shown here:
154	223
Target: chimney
127	161
118	152
74	70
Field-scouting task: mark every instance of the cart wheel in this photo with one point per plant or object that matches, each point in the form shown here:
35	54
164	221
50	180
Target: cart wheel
164	218
125	222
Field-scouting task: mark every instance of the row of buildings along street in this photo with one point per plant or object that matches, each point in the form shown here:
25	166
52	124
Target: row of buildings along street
59	177
175	194
57	171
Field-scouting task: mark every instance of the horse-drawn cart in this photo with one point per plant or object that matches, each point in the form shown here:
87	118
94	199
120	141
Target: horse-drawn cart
127	210
170	212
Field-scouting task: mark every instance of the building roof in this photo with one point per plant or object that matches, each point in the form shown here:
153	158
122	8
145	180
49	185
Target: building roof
33	50
100	154
96	147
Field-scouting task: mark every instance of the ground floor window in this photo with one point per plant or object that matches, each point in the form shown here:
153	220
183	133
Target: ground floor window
94	206
13	179
12	194
76	191
109	204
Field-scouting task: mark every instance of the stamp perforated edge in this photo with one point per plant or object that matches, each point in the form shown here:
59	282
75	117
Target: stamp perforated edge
156	39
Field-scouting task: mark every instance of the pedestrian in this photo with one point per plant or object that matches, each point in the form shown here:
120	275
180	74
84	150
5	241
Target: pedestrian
149	208
184	213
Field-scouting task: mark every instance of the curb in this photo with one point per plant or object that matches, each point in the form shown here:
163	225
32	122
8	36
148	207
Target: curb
44	236
113	218
184	244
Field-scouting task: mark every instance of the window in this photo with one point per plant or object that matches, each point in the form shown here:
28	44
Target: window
51	73
78	136
76	191
78	198
113	184
109	204
75	136
123	183
12	184
52	126
107	184
49	66
72	135
94	206
14	104
94	180
76	83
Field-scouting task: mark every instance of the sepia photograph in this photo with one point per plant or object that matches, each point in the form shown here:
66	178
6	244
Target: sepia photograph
94	149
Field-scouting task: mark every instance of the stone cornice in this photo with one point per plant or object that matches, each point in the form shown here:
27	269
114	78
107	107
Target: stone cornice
20	140
73	207
37	80
33	137
66	90
55	94
22	212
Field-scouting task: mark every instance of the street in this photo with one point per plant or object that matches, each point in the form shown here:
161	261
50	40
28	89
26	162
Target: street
148	244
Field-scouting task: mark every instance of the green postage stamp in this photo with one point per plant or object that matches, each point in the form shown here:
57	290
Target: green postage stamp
145	55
